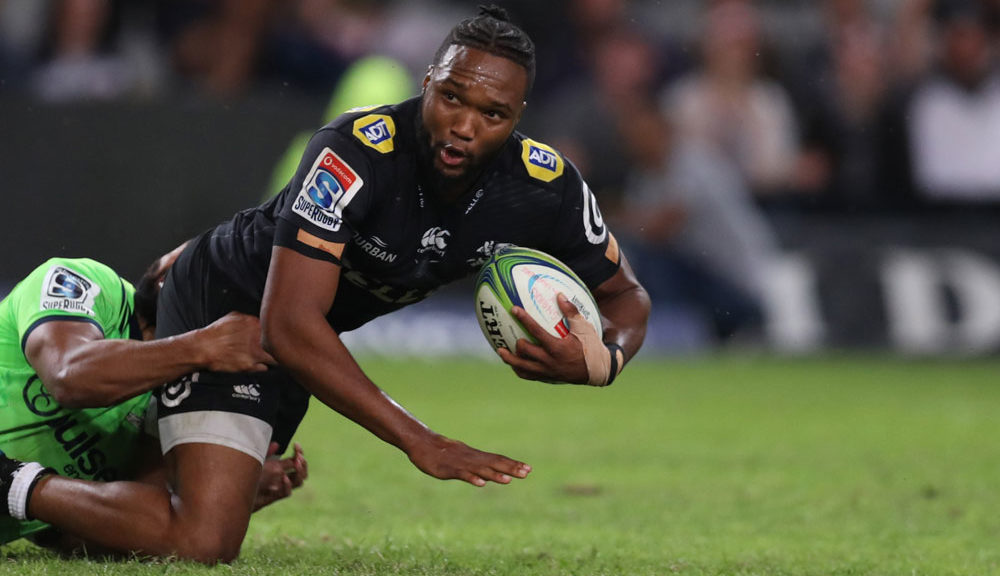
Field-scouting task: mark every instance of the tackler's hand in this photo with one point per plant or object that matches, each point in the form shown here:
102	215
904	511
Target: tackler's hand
279	476
232	344
578	358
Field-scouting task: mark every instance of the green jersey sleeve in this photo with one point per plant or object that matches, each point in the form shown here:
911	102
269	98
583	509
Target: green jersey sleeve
72	289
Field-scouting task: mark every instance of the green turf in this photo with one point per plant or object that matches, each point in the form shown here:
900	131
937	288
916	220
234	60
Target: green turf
697	466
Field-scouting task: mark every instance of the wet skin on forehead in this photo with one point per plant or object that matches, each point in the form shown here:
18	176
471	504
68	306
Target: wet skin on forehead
502	80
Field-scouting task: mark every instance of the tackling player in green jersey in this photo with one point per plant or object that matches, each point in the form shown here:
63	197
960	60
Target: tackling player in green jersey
92	443
75	374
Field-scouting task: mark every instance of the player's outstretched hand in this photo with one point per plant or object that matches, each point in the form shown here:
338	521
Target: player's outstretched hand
232	344
449	459
279	476
553	359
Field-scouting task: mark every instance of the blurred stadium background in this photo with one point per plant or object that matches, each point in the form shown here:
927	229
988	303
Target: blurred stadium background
788	175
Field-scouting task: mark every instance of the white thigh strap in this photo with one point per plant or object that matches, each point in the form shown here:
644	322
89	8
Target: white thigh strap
237	431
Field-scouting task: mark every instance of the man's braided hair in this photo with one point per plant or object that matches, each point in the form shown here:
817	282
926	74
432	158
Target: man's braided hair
492	31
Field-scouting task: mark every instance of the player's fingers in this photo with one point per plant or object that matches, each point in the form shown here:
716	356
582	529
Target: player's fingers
533	371
568	309
517	364
301	471
509	467
295	473
521	469
524	368
267	359
501	469
492	475
471	478
294	470
529	351
513	360
536	375
506	355
301	464
578	325
533	327
536	361
272	449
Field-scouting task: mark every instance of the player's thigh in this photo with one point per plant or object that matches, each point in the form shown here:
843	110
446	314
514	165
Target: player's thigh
237	411
213	490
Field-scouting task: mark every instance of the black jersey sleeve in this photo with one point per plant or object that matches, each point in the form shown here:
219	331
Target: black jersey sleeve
580	238
329	191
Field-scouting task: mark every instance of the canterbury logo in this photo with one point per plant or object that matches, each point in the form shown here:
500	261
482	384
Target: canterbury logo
435	239
246	391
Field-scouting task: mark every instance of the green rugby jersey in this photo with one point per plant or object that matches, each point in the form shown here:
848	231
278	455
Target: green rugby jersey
95	443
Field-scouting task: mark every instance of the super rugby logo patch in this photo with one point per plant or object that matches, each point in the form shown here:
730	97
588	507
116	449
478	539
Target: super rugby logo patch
541	160
327	190
376	131
68	291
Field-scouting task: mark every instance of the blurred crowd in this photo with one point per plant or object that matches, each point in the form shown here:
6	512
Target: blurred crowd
691	120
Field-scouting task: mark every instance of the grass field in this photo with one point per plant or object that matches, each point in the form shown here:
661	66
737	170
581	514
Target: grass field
731	465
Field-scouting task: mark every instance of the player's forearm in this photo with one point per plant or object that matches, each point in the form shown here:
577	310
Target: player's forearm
318	359
626	314
105	372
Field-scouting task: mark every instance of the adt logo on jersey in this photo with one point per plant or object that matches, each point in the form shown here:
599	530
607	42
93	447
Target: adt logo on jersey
541	160
68	291
329	187
376	131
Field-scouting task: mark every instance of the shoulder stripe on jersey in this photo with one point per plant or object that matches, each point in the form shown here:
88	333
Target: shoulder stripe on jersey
335	249
53	318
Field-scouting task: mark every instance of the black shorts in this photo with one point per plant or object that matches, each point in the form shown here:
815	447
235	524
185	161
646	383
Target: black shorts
244	411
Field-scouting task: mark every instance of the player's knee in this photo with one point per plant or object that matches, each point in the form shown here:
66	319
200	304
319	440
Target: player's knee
206	548
210	552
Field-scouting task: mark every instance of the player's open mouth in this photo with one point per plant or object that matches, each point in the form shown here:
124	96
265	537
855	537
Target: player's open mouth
452	157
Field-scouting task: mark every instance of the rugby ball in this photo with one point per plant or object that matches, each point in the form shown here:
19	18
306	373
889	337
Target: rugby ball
531	279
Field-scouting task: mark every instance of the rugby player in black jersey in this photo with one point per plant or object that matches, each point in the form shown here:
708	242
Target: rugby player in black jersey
388	204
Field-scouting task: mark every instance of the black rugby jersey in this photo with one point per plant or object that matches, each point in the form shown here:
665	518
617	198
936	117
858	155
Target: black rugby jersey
360	183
